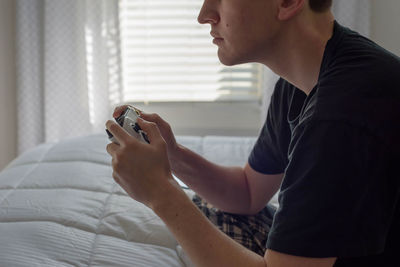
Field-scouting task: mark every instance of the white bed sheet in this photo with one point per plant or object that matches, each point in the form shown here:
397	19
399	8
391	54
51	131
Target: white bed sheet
59	206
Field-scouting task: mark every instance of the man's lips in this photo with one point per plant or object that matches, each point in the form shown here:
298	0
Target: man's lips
216	36
217	39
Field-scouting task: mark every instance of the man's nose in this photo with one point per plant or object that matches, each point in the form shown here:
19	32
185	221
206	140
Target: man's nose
208	13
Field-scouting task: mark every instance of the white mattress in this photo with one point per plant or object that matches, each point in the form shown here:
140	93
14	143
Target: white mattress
59	206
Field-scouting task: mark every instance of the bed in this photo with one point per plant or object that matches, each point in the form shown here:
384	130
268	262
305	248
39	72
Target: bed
59	206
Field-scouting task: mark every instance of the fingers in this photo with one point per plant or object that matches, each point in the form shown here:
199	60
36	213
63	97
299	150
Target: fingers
162	124
118	110
151	129
112	148
151	117
118	132
148	125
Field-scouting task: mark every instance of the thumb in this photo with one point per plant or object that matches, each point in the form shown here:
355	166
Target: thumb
151	129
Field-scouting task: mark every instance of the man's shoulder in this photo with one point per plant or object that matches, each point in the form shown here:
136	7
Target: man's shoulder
357	65
357	78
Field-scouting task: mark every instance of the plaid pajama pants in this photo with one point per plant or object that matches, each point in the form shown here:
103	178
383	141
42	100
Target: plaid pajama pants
249	231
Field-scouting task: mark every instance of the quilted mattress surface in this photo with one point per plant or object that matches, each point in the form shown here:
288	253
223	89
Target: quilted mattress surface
59	206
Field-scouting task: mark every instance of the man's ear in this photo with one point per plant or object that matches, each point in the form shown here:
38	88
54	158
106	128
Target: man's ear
289	8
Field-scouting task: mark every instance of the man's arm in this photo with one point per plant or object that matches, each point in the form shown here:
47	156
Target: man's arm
148	179
231	189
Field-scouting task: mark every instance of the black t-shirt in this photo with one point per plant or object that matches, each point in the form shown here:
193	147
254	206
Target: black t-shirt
338	148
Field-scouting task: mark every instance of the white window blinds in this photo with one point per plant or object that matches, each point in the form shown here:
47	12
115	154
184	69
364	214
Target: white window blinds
167	56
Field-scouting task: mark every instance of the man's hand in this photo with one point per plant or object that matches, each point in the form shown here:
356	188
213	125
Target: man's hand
164	129
142	170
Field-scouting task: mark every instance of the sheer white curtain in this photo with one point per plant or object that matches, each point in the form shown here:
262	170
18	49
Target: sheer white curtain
354	14
68	68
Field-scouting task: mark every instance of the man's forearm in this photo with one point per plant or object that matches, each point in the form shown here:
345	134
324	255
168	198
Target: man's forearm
200	239
224	187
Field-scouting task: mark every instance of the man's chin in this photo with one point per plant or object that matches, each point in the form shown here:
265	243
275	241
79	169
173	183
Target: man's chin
230	60
228	63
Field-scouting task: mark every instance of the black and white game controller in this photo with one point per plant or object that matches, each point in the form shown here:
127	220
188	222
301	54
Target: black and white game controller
127	120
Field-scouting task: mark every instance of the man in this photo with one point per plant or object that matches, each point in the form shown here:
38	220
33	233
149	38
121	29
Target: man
330	143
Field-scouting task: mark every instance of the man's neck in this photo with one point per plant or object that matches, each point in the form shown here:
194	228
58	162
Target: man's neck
298	59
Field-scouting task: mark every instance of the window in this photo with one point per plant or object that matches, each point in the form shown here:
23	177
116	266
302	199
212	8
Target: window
167	56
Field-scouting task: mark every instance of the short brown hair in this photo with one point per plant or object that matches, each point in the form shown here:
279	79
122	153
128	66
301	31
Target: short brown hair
320	5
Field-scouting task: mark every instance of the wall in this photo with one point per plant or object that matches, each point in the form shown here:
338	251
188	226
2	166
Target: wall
385	24
232	119
7	83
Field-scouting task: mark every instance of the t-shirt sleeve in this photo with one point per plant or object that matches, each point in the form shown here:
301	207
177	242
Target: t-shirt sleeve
264	157
336	200
269	154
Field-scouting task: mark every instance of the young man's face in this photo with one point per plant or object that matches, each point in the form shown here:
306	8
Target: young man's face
244	30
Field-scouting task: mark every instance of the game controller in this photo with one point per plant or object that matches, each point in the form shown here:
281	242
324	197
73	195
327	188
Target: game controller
127	120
